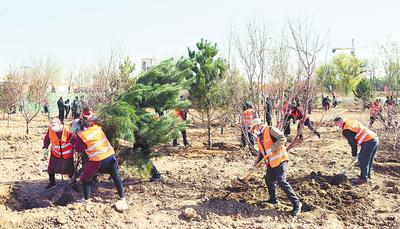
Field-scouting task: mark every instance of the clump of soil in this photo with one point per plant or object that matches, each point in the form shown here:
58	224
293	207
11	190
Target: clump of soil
327	192
314	190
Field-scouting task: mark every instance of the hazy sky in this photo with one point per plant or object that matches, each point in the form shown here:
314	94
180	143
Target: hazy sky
76	32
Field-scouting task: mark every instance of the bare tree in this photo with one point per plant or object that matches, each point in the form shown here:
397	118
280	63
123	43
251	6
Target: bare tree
252	52
11	91
37	79
391	64
307	47
108	78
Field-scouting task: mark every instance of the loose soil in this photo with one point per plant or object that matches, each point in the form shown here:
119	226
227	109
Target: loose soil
200	179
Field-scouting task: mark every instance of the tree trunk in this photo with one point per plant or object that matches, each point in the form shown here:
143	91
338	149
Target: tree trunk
209	129
27	127
8	118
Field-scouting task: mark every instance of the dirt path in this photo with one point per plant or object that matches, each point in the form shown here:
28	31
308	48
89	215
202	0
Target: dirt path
200	179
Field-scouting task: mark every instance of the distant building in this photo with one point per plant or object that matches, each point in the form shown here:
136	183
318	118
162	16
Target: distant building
148	62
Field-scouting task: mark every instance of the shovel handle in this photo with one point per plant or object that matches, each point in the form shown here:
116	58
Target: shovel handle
248	174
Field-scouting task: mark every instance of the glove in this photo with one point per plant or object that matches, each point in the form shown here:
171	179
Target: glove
354	159
45	153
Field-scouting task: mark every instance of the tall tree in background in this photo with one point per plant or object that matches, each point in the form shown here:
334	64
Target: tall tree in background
390	53
208	71
348	69
326	77
252	51
307	47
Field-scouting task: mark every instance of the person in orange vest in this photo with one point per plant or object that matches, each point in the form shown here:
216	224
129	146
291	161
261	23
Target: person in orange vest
248	115
375	112
182	115
61	158
359	135
271	144
91	141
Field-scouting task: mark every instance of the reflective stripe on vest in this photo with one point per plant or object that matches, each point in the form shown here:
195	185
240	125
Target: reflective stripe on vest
274	158
363	134
98	146
100	151
65	149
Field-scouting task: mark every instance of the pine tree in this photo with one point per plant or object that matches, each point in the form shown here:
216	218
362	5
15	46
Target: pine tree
156	89
208	71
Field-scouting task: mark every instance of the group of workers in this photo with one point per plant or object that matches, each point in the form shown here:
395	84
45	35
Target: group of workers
88	139
271	148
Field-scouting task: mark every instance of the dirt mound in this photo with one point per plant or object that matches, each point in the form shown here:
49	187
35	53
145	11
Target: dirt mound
315	191
324	191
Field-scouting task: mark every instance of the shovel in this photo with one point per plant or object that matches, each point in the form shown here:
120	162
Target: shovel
65	196
243	180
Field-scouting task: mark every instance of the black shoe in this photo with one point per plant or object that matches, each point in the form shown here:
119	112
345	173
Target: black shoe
155	179
318	134
296	209
272	201
51	185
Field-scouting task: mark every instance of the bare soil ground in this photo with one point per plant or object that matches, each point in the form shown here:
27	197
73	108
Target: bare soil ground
200	179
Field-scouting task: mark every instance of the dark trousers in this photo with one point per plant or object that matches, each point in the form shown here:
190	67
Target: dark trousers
184	137
110	166
278	175
249	135
67	112
308	123
366	157
373	118
61	115
268	119
75	114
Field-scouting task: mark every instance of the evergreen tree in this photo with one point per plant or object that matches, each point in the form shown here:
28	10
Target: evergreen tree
208	71
364	90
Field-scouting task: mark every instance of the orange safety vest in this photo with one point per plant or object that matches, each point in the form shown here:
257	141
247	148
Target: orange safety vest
61	147
363	134
248	116
274	159
98	146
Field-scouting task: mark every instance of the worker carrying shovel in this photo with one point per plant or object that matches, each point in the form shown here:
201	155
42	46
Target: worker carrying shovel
359	135
91	140
61	158
271	148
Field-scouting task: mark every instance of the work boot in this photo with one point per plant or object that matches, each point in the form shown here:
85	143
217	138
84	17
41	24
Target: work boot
273	201
296	209
51	185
